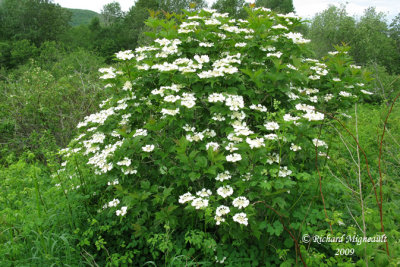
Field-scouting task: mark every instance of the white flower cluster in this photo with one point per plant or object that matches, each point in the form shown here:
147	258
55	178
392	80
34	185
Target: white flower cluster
187	27
199	136
222	66
240	202
148	148
258	107
164	89
223	176
284	171
233	157
122	211
255	143
225	191
109	73
125	55
98	118
169	47
100	158
199	203
241	218
296	37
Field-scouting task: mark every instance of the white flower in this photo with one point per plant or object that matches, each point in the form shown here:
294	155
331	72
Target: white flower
125	55
218	117
115	182
171	112
232	137
345	94
188	100
212	21
259	107
143	67
314	116
288	117
186	197
304	107
336	79
313	99
223	176
171	98
129	171
294	147
109	73
199	203
231	147
204	193
255	143
355	67
233	157
271	126
225	191
222	210
202	59
366	92
213	145
125	162
318	143
276	54
234	102
279	26
148	148
328	97
296	37
314	77
127	86
240	44
122	211
219	219
140	132
189	128
215	97
238	115
113	203
283	172
240	202
196	137
204	44
271	137
241	218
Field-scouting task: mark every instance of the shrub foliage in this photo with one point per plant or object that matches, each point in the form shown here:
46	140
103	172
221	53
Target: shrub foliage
209	149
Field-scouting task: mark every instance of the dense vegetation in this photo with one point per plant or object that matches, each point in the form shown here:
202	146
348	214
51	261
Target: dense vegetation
154	200
81	17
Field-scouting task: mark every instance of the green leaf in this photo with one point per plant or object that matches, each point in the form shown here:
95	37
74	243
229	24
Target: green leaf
201	162
194	176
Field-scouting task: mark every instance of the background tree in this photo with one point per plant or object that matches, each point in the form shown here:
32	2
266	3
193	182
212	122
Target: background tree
280	6
372	42
233	7
395	30
34	20
331	27
111	13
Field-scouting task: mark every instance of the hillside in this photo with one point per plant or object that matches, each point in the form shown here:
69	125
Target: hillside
81	16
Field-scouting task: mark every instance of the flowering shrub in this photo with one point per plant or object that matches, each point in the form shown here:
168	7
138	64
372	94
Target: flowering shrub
212	123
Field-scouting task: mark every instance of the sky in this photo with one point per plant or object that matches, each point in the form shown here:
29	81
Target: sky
304	8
